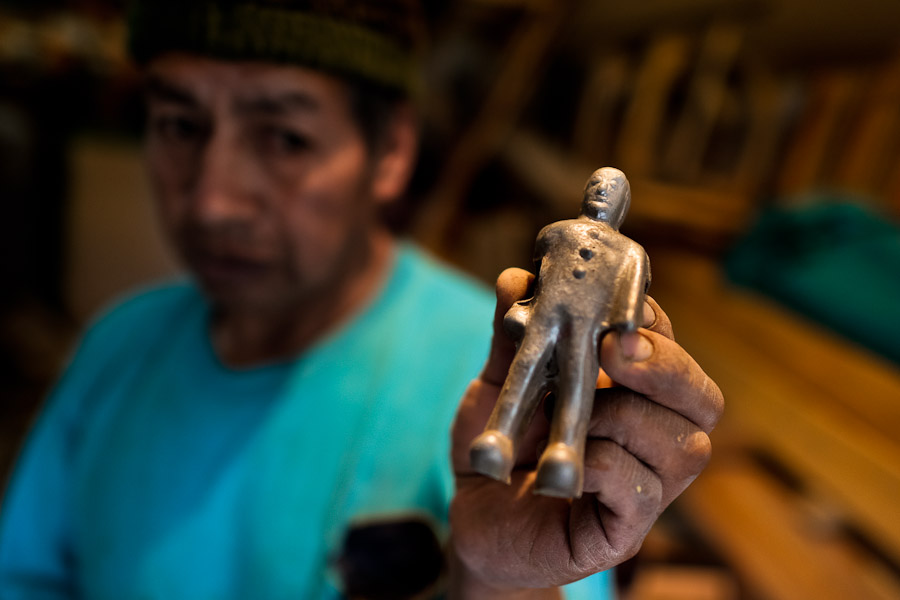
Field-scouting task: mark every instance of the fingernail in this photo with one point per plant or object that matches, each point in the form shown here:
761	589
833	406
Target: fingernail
635	347
649	316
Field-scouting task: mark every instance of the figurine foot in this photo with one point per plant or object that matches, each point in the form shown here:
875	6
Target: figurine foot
559	472
492	454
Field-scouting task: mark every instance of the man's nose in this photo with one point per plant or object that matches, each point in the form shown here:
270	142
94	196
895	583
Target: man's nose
222	187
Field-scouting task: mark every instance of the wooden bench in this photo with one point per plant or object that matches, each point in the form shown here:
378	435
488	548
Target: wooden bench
802	497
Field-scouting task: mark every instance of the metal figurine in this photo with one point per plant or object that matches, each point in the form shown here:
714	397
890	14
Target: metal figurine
591	279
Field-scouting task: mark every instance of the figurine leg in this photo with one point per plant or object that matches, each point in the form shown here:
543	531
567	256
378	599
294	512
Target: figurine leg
560	469
493	453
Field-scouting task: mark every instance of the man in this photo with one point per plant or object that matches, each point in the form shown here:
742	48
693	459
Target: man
229	437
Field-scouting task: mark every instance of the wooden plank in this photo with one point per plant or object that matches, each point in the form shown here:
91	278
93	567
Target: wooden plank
605	90
867	155
706	93
708	211
840	455
665	61
833	369
893	190
767	121
683	583
773	545
524	60
558	178
832	95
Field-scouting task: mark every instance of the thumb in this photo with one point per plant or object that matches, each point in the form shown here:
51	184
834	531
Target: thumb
513	284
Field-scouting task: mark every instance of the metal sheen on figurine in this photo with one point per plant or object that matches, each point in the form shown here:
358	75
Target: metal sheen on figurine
590	280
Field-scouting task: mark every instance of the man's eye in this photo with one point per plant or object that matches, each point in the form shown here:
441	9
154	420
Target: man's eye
284	141
178	128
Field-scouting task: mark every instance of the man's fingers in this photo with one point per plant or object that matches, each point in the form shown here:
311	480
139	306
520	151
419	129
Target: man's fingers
481	396
512	285
628	496
655	319
622	483
653	365
672	446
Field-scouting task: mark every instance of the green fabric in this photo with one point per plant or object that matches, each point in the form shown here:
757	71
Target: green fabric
157	472
831	260
244	31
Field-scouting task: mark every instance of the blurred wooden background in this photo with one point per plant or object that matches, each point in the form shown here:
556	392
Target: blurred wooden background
714	108
712	120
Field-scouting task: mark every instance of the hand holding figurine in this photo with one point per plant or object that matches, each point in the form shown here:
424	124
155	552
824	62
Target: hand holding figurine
630	451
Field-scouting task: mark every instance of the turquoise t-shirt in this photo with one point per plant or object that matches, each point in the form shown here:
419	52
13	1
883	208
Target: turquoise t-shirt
157	472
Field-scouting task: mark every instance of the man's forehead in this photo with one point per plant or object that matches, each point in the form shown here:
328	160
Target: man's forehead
241	83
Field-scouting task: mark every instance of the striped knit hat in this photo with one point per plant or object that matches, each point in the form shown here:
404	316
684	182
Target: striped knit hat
378	41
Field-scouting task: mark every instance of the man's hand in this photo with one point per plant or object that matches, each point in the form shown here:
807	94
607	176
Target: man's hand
647	441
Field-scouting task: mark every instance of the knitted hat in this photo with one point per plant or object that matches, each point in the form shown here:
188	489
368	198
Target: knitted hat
375	41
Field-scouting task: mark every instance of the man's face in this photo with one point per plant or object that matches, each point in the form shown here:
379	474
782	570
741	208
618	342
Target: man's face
263	180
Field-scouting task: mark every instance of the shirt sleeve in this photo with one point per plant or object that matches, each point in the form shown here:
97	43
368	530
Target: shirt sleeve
599	586
37	541
35	546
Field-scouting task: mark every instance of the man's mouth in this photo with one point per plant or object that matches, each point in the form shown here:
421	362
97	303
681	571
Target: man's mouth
222	271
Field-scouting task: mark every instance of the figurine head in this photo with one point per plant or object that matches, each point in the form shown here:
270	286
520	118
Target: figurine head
607	196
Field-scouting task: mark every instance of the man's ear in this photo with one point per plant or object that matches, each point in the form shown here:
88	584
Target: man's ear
396	155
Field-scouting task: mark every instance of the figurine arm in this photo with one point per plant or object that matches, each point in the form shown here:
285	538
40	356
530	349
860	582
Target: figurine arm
517	317
516	320
633	282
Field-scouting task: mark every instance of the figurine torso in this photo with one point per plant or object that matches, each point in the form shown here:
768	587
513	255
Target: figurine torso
585	267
